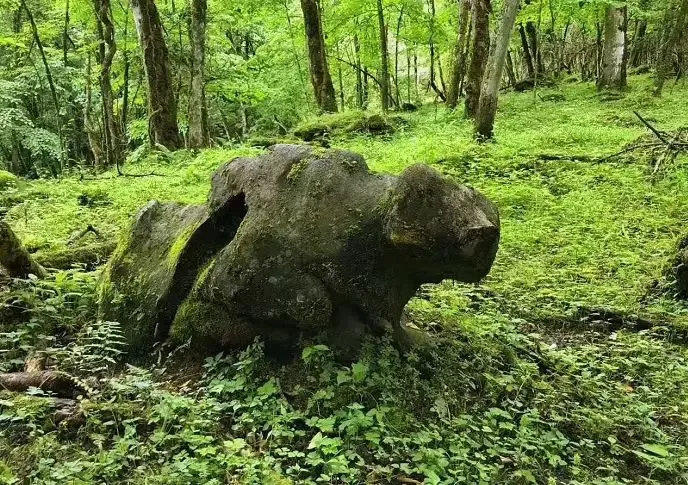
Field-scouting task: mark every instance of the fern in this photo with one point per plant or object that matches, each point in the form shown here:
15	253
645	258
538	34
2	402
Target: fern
95	351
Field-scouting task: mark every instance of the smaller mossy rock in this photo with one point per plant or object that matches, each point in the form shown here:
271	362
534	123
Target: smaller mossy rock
348	122
409	107
7	179
312	131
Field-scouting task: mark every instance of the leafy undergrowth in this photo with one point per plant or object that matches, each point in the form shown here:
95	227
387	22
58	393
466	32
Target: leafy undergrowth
518	385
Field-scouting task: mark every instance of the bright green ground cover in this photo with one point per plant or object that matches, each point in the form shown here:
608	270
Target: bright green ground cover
511	394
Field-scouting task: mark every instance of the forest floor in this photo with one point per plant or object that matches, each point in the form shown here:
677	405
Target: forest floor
567	364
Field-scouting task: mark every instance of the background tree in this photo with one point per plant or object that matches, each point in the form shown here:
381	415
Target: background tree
481	48
198	114
614	58
162	103
320	71
487	105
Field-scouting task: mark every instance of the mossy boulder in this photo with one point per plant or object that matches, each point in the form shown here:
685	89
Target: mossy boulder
298	243
349	122
7	179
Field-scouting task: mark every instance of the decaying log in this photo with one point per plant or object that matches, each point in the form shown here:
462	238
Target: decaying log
14	257
58	383
89	256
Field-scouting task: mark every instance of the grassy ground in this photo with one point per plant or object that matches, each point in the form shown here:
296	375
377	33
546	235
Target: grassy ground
522	388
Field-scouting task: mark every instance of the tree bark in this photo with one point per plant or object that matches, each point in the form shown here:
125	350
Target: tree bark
481	48
613	68
487	108
384	71
359	73
460	53
162	105
527	57
531	30
112	140
197	108
320	72
14	257
669	42
638	43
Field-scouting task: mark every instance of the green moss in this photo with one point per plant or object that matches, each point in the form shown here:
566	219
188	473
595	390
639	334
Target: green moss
296	169
7	179
179	244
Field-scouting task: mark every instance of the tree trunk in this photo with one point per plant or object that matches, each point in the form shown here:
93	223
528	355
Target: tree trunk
534	46
359	73
511	74
162	105
638	44
384	72
396	57
320	71
51	84
112	141
527	57
14	257
197	108
613	69
481	48
669	42
460	53
490	87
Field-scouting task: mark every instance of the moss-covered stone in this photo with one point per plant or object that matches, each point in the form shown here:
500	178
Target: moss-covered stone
296	243
7	179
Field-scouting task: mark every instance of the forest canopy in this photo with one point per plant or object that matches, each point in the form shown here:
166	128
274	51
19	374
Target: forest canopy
78	90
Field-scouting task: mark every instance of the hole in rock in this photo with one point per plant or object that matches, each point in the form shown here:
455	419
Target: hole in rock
206	241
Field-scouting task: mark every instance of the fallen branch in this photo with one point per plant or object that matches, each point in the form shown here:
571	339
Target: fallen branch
90	256
651	128
78	235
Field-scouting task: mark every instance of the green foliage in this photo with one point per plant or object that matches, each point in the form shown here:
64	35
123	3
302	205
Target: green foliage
514	386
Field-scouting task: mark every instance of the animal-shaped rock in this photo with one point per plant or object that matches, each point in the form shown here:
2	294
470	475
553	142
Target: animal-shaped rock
293	244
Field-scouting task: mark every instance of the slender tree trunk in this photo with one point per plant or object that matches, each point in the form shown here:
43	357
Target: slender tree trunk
366	87
320	71
511	74
127	66
162	104
432	45
340	79
531	30
460	52
490	88
670	41
65	35
51	84
613	72
359	73
408	75
384	72
396	56
527	57
481	48
112	142
197	108
638	43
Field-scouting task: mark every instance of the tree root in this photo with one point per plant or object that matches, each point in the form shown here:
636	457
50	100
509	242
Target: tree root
58	383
